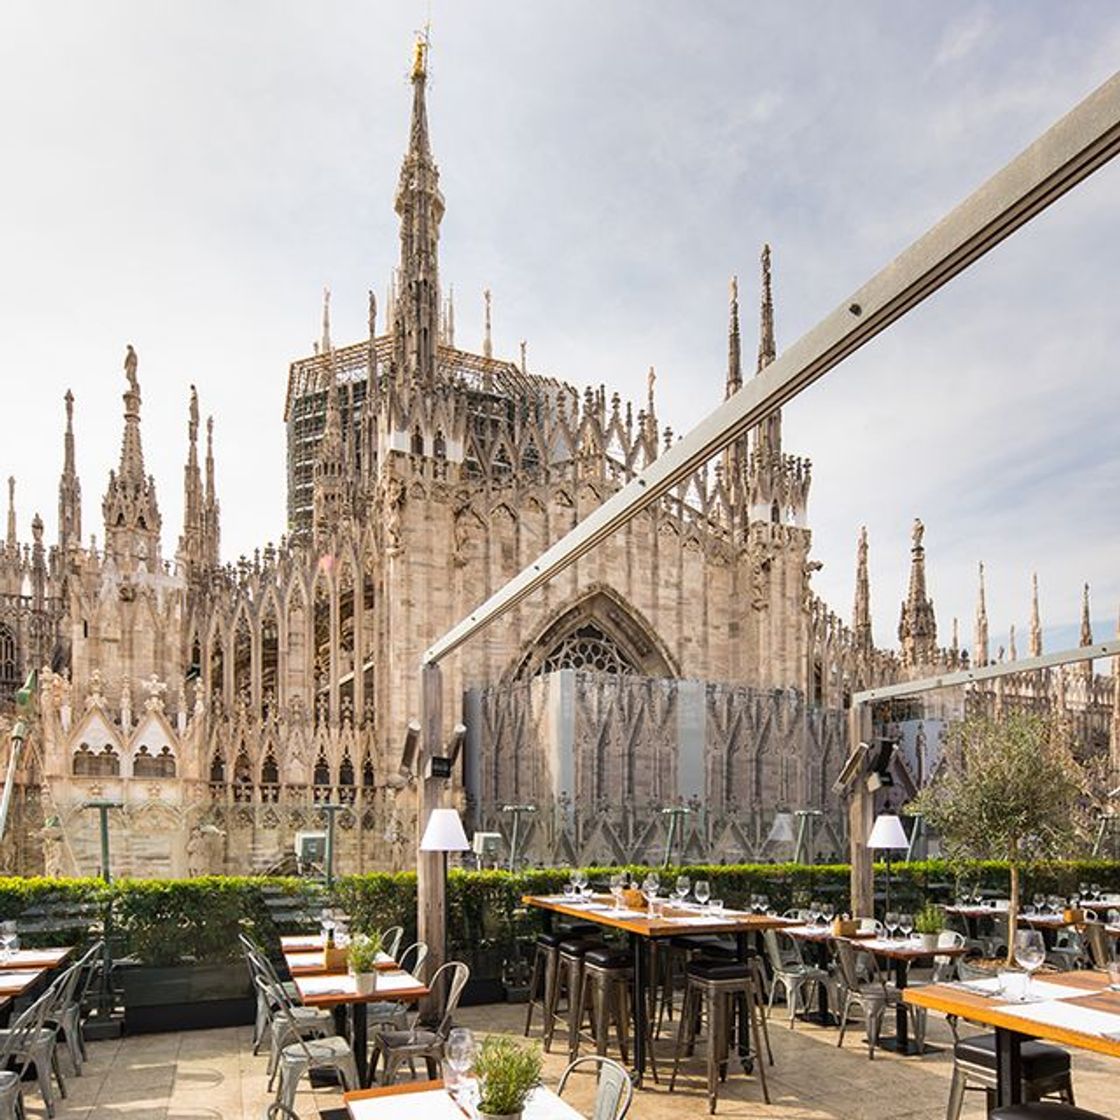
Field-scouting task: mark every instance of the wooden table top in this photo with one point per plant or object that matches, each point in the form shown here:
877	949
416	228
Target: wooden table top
975	910
676	923
310	963
16	981
38	958
904	950
429	1099
952	999
330	989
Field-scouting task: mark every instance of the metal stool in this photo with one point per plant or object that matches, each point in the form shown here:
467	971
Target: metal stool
608	975
546	961
1045	1071
719	985
569	977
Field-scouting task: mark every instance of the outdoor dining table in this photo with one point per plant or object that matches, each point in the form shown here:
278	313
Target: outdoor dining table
642	931
301	942
337	991
38	958
819	938
311	963
973	915
16	981
431	1101
1075	1009
901	954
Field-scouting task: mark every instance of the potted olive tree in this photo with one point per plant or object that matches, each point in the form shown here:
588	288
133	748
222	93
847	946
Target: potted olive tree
1007	788
362	960
507	1073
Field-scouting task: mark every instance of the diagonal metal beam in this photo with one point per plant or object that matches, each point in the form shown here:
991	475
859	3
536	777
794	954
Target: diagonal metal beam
1068	152
988	672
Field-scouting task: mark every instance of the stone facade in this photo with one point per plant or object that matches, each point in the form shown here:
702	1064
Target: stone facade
684	662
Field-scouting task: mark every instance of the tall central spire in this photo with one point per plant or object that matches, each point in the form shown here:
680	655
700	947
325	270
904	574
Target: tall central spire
770	430
419	205
917	628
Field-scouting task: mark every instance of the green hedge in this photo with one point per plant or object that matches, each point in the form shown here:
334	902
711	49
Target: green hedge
163	922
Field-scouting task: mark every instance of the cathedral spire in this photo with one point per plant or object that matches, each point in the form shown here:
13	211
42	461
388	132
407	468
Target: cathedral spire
69	488
325	341
917	627
212	509
487	339
130	510
1036	624
980	632
734	347
1012	651
12	542
419	204
1086	624
861	611
191	543
769	430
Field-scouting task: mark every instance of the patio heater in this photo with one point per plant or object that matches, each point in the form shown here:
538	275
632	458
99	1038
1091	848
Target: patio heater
328	856
805	819
781	829
515	832
101	1023
887	835
674	813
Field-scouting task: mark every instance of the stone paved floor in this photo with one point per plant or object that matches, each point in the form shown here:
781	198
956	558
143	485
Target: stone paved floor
203	1075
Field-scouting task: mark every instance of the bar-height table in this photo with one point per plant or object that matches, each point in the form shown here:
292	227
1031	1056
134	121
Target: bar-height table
642	931
337	991
1090	1021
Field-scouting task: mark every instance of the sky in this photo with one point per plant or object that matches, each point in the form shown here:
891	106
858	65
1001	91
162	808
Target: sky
187	177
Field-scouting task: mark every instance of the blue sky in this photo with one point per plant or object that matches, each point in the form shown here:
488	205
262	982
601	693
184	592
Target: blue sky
187	177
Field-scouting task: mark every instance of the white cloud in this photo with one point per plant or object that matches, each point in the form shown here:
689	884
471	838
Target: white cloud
963	36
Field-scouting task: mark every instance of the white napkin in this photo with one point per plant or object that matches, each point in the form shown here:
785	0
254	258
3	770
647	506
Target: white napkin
1070	1016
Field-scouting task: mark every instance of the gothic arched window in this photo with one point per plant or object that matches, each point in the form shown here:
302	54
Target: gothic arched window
9	660
439	445
587	649
417	442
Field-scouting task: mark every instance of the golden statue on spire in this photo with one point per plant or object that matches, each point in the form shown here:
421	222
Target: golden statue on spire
420	54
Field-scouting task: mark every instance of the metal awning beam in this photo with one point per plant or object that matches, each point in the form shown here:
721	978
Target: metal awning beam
1068	152
988	672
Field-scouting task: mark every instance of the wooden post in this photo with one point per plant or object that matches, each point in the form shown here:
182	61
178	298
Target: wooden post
431	886
859	819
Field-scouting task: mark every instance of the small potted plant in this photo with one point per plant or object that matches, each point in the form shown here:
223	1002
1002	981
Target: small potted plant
928	924
362	959
507	1073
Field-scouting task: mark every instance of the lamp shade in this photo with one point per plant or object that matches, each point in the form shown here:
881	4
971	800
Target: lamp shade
781	831
887	832
444	833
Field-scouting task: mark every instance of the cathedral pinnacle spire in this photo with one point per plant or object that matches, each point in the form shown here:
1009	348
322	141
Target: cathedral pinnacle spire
861	611
419	204
325	341
734	346
191	544
1086	624
1036	623
769	439
980	631
917	627
211	510
69	488
487	338
12	542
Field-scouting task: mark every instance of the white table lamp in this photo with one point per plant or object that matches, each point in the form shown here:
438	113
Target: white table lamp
887	833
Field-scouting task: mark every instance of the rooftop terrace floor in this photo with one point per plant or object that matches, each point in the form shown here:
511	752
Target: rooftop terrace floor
203	1075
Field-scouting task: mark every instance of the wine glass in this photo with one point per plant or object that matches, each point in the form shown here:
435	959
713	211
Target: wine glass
828	911
763	902
1095	891
703	891
906	924
1030	951
683	886
459	1053
618	885
890	921
814	911
650	886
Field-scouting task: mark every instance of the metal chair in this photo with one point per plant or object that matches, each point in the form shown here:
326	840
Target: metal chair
279	1111
615	1092
16	1044
391	940
391	1012
65	1013
259	962
287	1022
872	996
302	1055
396	1046
1044	1110
792	974
31	1042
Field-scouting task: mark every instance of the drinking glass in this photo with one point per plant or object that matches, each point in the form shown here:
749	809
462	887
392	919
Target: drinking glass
814	912
1083	890
828	911
683	886
1039	902
1030	951
703	891
906	924
715	906
1114	976
890	920
763	902
650	886
618	885
1095	890
569	890
459	1053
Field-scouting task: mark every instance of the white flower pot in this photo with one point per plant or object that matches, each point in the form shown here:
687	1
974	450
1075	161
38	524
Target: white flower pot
929	941
365	982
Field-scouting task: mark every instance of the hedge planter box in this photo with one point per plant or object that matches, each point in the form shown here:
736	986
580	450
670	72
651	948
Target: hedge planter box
186	997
